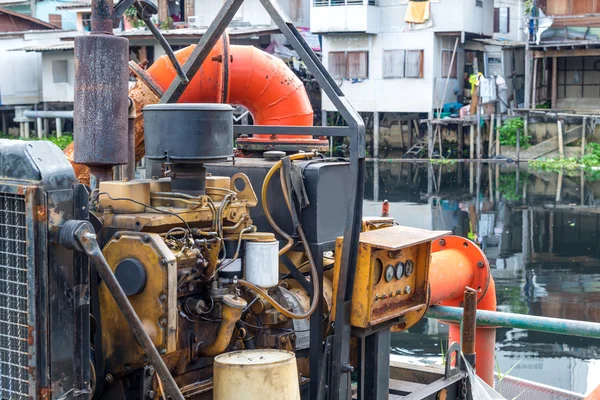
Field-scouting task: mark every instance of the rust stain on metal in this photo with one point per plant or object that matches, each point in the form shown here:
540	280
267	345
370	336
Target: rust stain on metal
40	213
44	393
30	333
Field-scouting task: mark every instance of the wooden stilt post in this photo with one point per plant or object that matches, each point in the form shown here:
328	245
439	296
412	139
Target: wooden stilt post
498	124
535	74
561	150
491	136
554	81
472	141
461	139
583	135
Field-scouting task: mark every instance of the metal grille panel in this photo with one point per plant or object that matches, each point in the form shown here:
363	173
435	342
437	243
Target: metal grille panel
14	360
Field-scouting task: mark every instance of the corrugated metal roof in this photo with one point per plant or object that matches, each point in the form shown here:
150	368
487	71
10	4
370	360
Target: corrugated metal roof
52	47
27	18
74	5
13	2
191	32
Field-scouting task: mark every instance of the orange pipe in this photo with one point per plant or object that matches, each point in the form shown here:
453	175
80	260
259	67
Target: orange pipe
249	77
242	75
456	263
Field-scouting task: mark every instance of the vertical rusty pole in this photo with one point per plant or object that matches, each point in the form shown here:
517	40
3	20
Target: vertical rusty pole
101	102
469	324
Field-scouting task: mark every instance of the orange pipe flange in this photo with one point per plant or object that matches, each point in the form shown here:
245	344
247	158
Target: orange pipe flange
456	263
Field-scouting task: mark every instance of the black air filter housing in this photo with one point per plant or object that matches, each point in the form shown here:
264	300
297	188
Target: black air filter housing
188	133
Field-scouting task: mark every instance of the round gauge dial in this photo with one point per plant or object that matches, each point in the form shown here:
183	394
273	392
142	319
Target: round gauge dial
389	273
399	270
408	270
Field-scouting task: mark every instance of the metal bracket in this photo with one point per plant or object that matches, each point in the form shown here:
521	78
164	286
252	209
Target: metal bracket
339	382
145	10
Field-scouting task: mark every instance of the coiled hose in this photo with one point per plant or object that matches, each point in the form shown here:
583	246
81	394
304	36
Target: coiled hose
290	242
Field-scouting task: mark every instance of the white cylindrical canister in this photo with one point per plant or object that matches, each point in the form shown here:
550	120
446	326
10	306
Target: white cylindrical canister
264	374
262	263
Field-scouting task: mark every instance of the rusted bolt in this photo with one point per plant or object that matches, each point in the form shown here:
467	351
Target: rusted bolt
218	58
162	351
347	368
162	297
480	264
196	339
150	370
283	339
407	290
292	336
376	297
117	236
162	321
442	242
109	379
281	317
163	261
145	238
399	292
150	394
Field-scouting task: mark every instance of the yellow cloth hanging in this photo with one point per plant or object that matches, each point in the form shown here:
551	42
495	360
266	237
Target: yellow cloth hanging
417	12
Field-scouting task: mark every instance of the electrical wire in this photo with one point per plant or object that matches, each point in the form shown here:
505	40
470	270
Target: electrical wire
313	267
145	205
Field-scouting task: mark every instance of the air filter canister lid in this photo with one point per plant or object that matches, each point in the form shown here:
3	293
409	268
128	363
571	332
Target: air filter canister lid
188	133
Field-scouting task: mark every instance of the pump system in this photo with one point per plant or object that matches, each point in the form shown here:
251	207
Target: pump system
135	288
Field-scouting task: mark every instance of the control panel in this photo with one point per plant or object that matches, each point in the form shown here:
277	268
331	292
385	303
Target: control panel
391	278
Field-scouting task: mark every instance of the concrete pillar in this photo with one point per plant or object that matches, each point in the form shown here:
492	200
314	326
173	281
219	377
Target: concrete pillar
21	129
46	122
376	181
4	123
376	134
58	127
40	129
26	130
430	136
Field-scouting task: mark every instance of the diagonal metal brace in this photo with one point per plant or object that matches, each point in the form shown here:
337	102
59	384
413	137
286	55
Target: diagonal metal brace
79	235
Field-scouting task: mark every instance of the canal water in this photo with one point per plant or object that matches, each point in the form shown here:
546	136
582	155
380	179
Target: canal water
541	234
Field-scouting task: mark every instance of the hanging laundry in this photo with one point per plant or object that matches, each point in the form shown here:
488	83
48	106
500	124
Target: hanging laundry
417	12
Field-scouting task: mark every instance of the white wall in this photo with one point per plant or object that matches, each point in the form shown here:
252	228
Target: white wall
397	95
57	92
515	32
446	16
253	12
20	71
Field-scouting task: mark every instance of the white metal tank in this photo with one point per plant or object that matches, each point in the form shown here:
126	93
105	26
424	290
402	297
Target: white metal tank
264	374
262	263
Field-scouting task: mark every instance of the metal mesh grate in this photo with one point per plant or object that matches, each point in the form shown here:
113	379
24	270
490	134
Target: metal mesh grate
14	377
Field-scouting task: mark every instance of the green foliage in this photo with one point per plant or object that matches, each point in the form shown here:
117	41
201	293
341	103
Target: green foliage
167	24
442	161
132	16
507	185
590	163
508	133
528	7
545	105
61	142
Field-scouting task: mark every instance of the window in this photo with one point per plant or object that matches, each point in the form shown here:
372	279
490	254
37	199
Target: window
478	3
349	64
59	71
55	19
402	64
446	59
502	20
86	21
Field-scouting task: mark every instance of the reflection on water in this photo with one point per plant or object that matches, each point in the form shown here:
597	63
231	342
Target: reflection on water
540	232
